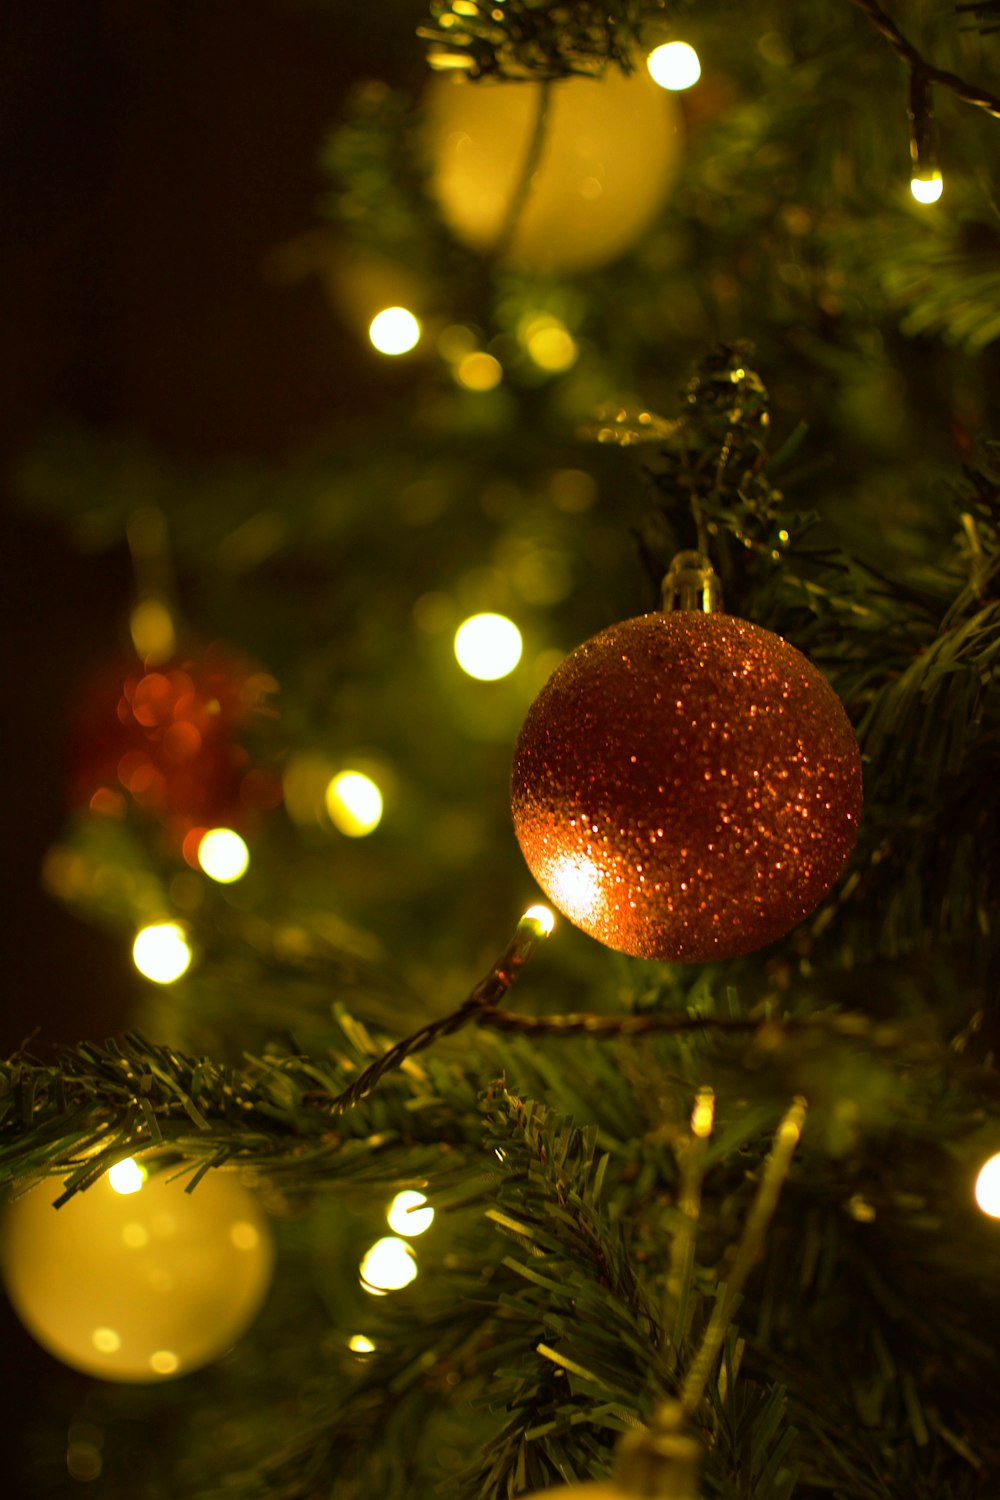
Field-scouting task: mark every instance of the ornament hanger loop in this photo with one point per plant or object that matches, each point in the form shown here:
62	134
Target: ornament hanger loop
692	583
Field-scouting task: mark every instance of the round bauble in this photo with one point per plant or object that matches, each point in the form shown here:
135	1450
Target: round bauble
139	1284
686	787
171	739
609	155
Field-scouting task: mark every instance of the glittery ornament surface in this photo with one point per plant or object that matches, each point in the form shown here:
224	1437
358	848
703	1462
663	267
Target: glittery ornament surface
686	787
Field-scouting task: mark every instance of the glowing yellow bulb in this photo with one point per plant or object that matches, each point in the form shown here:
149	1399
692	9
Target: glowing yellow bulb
549	343
988	1188
479	372
126	1176
152	630
388	1266
703	1115
674	66
488	646
394	331
360	1343
406	1216
161	953
223	855
542	917
354	803
927	189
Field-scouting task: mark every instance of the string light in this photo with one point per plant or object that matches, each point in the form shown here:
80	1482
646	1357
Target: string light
927	189
543	919
406	1215
488	646
223	855
126	1176
988	1188
360	1343
388	1266
548	342
674	66
161	953
152	629
479	372
354	803
394	331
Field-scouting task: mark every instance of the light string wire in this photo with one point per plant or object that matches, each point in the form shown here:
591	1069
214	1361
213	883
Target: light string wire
481	1008
970	93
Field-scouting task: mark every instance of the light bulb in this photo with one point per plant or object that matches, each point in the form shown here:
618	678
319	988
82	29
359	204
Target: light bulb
407	1217
360	1343
126	1176
388	1266
152	630
549	343
674	66
394	331
927	189
988	1188
223	855
161	953
542	917
488	646
479	372
354	803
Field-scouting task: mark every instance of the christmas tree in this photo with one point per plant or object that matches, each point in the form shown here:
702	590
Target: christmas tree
606	391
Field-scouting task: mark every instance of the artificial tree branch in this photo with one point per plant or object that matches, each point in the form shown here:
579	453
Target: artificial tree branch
971	93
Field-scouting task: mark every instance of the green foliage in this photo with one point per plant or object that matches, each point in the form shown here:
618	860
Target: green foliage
533	39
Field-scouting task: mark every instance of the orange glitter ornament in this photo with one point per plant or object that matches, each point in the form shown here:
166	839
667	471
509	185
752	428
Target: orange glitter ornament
686	786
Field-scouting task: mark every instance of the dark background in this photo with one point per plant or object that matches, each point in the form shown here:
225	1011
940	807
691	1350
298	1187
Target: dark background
151	156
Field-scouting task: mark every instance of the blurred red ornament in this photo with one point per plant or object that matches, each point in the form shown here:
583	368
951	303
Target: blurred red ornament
169	739
686	786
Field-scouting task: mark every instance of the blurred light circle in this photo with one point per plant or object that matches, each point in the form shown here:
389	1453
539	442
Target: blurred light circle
354	803
223	855
407	1216
394	331
388	1266
674	66
161	953
488	646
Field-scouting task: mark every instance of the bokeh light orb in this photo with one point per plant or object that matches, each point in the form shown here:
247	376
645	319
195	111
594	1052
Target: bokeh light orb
394	331
161	952
674	66
354	803
488	646
223	855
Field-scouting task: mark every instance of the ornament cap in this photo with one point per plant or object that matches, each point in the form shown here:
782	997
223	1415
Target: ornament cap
692	583
658	1464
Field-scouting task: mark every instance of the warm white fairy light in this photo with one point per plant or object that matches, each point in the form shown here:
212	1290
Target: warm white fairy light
928	187
408	1216
223	855
674	66
549	342
360	1343
479	371
388	1266
354	803
988	1188
488	646
126	1176
394	331
543	919
161	953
